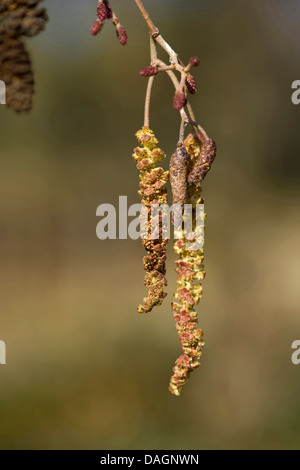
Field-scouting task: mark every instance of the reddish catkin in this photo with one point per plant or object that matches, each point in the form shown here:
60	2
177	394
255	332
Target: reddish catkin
109	12
191	84
204	162
179	100
149	71
96	28
102	11
152	191
122	34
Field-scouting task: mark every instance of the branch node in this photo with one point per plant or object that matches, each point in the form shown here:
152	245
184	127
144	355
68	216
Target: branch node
155	33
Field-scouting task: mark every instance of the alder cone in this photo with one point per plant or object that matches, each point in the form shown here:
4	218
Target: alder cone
17	19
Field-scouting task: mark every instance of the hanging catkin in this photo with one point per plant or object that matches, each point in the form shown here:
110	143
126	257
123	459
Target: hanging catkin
190	274
189	165
17	19
203	163
152	191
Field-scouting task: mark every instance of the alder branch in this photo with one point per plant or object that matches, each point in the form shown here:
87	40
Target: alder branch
153	54
155	33
176	66
187	119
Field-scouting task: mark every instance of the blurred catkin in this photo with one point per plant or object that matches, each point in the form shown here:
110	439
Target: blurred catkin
17	19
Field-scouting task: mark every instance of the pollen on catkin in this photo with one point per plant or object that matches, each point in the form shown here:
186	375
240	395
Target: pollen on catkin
190	274
152	191
101	11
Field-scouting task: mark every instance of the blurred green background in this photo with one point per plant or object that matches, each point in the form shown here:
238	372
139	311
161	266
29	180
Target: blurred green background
84	370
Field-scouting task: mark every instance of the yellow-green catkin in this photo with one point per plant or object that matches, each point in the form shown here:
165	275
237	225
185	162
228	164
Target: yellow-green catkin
190	274
152	191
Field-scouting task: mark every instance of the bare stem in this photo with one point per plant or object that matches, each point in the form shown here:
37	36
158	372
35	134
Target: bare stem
170	73
154	31
191	112
177	65
153	53
152	28
147	102
183	125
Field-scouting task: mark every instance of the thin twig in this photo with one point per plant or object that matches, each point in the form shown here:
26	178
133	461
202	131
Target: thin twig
147	102
152	28
154	31
170	73
153	53
191	112
182	129
153	50
190	120
177	65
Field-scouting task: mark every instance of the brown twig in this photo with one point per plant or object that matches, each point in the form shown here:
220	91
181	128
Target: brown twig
176	65
154	31
152	28
184	116
153	54
147	102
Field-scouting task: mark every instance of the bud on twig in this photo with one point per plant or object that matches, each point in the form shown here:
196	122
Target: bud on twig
148	71
96	28
191	84
152	191
122	34
194	61
101	11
